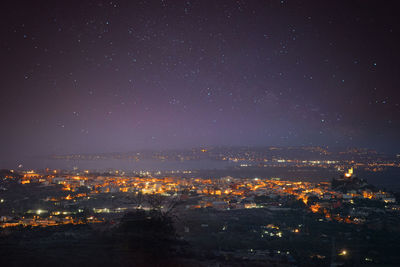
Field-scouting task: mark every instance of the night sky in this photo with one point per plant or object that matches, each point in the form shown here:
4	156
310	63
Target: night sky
104	76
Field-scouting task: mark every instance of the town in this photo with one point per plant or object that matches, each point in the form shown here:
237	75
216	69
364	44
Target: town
69	195
52	198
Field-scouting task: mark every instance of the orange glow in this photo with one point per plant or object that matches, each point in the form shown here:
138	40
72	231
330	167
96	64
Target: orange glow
368	195
315	208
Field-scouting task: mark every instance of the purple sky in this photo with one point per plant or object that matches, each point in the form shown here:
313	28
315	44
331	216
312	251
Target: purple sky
101	76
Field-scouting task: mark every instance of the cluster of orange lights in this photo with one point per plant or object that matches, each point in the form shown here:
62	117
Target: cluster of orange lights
221	188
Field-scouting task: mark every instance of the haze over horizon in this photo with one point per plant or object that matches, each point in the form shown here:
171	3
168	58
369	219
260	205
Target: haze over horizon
116	76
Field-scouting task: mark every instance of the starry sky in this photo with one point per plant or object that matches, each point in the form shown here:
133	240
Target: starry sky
104	76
